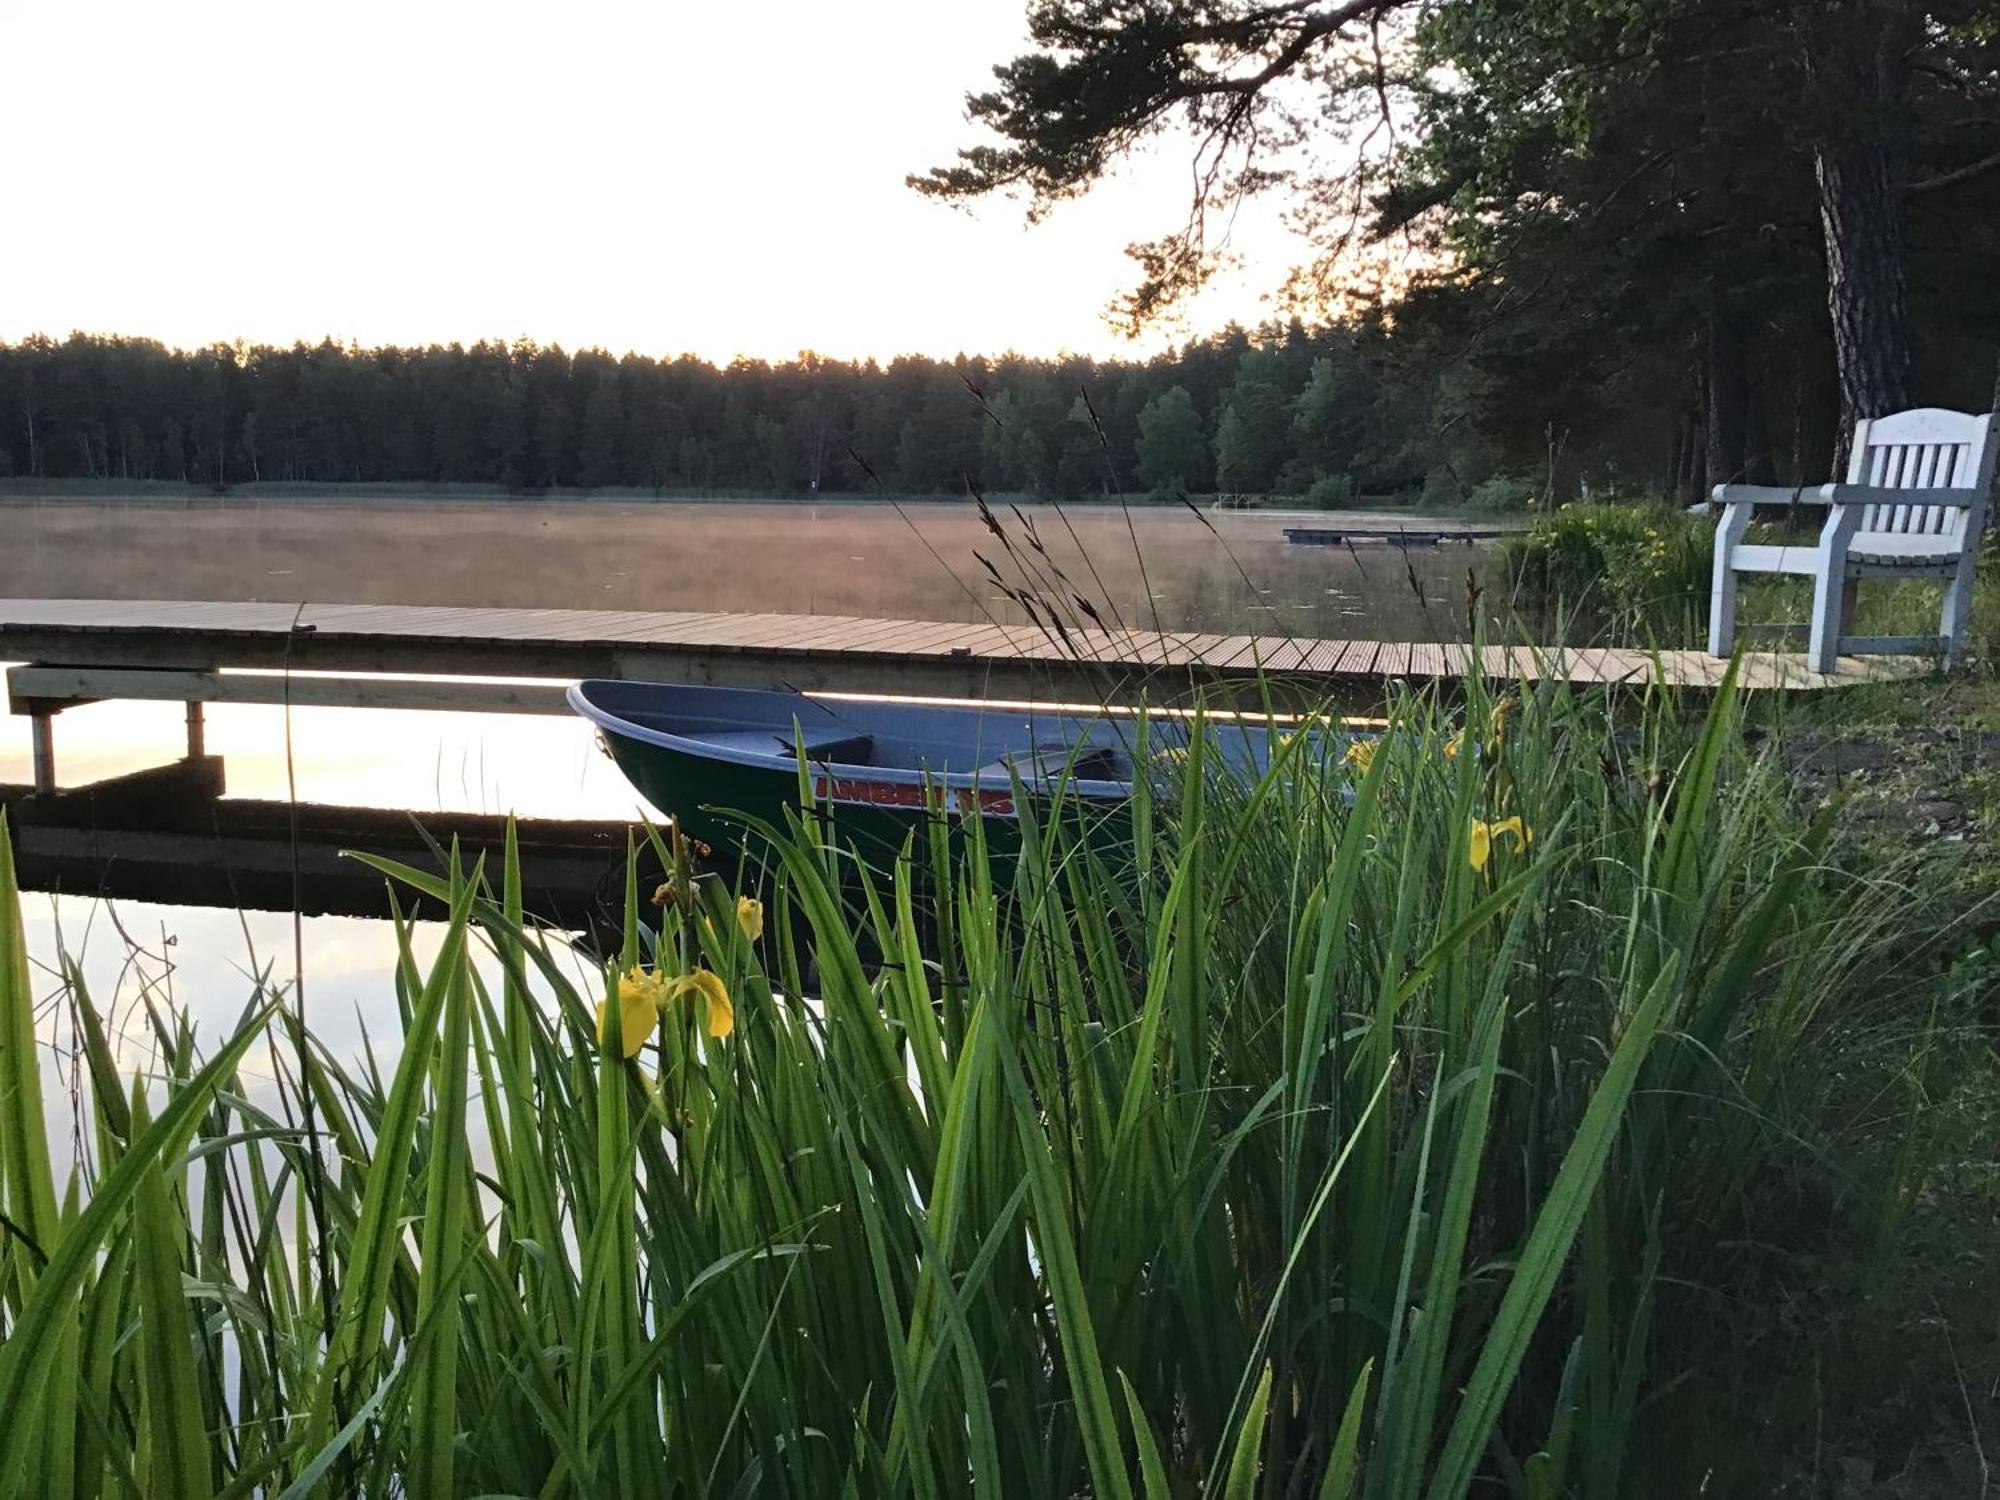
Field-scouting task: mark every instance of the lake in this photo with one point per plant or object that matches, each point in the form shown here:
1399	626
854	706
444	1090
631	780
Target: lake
1229	571
1154	566
205	957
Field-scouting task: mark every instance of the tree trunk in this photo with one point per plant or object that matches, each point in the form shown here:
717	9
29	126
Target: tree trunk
1728	398
1861	202
1760	460
1691	480
1860	59
1690	450
1696	450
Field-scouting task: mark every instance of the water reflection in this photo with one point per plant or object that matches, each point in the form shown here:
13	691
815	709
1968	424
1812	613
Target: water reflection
533	765
213	959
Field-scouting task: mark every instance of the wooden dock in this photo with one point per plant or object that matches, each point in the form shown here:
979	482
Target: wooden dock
801	652
78	651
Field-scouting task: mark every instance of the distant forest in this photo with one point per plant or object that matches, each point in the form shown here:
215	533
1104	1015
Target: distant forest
1434	398
1387	405
1280	409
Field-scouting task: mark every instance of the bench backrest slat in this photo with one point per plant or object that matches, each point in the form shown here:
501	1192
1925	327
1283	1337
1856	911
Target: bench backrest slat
1919	450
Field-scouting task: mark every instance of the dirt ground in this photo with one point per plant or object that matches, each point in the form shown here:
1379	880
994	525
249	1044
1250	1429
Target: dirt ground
1229	571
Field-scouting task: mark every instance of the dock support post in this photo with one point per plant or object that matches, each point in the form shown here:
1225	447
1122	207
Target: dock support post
43	727
197	744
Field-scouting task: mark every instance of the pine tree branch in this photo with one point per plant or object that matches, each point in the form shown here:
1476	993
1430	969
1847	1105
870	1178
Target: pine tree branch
1961	174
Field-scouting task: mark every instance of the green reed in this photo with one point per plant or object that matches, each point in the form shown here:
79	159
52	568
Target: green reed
1300	1145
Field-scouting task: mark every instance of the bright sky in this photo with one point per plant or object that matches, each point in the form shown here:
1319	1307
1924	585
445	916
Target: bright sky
659	175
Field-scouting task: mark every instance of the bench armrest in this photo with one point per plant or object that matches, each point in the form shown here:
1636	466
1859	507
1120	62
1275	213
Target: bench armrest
1770	494
1875	494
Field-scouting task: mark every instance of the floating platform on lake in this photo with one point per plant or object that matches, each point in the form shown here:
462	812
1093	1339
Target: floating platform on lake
1392	536
392	656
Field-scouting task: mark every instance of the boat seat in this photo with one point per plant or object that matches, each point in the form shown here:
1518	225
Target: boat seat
837	745
1050	762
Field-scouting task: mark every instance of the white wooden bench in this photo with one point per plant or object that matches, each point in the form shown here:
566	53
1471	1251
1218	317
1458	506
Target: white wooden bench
1913	506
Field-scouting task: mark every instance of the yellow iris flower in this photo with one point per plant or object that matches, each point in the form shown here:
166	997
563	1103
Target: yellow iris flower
750	917
644	994
641	996
721	1010
1361	755
1479	849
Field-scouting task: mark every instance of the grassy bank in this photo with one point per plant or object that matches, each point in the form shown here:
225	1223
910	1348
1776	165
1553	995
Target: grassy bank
1438	1122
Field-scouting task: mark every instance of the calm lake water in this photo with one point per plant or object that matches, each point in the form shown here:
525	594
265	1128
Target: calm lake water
1154	565
206	958
914	561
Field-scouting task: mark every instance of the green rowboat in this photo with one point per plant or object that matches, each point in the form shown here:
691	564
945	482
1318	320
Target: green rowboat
876	767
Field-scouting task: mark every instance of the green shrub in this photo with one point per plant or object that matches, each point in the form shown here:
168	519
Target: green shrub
1639	574
1329	492
1502	492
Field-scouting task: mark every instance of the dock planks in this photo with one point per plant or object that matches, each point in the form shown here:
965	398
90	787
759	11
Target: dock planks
827	653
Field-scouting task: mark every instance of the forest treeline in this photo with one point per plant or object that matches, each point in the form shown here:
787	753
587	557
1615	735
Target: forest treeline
1283	408
1403	401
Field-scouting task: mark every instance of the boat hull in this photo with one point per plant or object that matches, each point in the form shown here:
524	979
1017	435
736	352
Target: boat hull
667	748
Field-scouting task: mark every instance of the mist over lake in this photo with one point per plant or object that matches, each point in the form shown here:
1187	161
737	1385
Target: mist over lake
1147	566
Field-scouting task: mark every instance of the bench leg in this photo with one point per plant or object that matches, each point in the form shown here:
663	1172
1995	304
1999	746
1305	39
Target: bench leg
1829	609
1722	586
1830	586
1722	608
197	742
1957	611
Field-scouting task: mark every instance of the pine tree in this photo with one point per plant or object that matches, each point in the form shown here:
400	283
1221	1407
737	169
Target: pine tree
603	427
1172	455
555	442
1252	441
1016	454
1329	417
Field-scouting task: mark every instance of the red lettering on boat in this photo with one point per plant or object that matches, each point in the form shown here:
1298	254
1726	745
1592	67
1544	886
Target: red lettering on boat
869	793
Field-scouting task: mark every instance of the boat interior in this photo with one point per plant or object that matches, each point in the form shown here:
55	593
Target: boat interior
880	735
1053	754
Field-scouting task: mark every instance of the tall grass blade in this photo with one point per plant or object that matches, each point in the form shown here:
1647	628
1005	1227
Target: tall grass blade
27	1182
1541	1259
374	1254
1344	1461
1242	1481
175	1446
28	1355
434	1394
